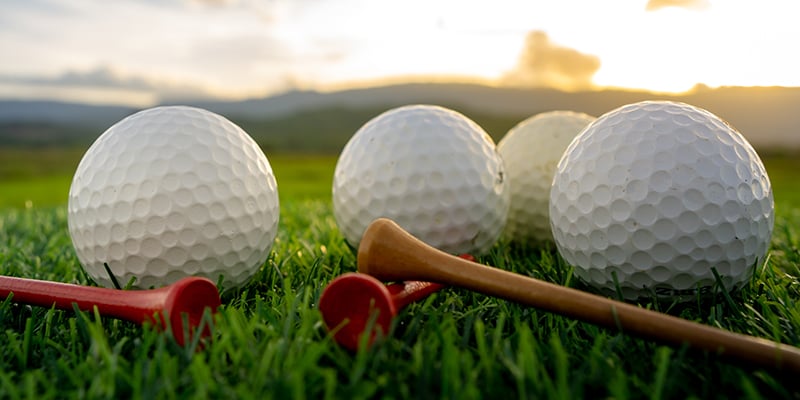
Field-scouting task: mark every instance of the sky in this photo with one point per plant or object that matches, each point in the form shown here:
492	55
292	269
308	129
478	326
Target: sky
142	52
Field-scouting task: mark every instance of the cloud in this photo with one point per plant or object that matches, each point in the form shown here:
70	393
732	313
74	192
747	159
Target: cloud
263	58
215	3
100	77
234	51
105	78
653	5
547	64
270	11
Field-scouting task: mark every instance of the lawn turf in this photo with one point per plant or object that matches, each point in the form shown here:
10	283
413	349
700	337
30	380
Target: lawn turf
27	183
269	340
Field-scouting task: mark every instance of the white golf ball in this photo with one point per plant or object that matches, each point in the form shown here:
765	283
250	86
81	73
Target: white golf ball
171	192
531	151
430	169
658	194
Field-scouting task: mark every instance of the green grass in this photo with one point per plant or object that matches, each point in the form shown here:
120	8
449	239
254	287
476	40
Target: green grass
783	172
269	340
35	177
29	178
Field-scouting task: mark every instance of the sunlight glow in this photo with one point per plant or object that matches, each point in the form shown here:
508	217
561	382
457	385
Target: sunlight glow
241	49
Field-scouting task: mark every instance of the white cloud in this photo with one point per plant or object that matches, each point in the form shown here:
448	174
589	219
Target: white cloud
653	5
106	79
543	63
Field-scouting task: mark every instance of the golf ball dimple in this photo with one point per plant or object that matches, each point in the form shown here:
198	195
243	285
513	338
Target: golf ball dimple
430	169
530	151
654	195
171	192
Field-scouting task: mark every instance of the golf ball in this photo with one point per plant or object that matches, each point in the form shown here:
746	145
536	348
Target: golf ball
171	192
530	151
430	169
654	195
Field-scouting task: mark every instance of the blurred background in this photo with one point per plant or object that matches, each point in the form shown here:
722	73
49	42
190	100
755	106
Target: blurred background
302	76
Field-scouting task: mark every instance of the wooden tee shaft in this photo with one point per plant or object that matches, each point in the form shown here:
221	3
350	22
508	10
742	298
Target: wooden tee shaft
389	253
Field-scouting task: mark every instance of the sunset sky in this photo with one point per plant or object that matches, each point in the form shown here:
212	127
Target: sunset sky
146	51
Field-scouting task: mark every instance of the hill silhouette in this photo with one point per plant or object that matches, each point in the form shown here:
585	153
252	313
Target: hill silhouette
308	121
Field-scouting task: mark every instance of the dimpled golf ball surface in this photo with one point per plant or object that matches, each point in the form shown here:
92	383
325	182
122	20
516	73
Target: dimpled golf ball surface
531	150
171	192
430	169
659	193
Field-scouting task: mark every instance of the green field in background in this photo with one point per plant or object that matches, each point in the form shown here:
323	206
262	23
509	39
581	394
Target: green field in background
32	179
41	178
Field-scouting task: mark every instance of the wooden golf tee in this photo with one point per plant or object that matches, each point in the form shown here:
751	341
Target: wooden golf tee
188	297
389	253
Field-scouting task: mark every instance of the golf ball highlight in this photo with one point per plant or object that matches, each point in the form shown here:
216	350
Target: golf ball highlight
430	169
656	194
531	150
171	192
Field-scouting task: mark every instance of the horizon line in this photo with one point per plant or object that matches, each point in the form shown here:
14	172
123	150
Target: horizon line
378	84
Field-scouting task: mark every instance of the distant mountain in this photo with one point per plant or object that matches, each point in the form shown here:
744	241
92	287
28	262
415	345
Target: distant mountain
485	99
60	112
35	123
320	121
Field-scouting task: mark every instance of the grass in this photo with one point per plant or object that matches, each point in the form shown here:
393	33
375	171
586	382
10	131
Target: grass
269	340
29	178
